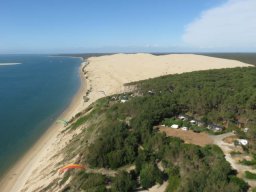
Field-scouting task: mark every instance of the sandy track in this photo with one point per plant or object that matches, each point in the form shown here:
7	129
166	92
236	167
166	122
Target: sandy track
227	148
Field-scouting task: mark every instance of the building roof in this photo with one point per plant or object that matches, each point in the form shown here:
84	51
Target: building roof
175	126
243	141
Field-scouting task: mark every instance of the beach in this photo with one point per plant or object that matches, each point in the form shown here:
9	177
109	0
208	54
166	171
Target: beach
16	177
104	75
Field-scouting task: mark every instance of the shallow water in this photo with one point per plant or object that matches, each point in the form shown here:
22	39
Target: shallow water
32	95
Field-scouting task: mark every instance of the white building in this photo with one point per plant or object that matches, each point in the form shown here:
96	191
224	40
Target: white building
174	126
183	117
123	100
246	130
243	142
193	122
184	129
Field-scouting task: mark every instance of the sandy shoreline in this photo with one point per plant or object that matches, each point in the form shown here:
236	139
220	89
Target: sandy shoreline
105	73
17	175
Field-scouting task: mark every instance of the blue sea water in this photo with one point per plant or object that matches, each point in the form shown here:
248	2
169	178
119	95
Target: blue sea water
32	95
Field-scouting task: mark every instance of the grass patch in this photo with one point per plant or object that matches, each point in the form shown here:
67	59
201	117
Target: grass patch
65	177
173	183
250	175
79	122
248	163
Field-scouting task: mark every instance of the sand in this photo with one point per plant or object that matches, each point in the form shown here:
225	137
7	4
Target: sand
17	176
108	74
189	136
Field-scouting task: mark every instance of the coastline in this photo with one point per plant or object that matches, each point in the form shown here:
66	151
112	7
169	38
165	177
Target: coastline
39	166
15	178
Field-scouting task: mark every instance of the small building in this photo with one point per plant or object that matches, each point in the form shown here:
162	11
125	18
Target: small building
200	123
193	122
184	129
246	129
181	117
123	100
184	117
215	128
175	126
243	142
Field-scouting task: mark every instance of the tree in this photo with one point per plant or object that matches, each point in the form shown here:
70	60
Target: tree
149	175
123	182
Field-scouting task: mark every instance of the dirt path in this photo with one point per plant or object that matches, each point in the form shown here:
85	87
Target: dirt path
155	188
107	172
227	148
113	173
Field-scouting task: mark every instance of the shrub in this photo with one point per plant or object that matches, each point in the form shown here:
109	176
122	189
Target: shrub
149	175
123	182
250	175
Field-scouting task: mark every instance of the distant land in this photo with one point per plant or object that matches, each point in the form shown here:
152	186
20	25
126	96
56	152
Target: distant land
6	64
249	58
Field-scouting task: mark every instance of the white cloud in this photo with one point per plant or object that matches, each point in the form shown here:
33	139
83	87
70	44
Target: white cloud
229	26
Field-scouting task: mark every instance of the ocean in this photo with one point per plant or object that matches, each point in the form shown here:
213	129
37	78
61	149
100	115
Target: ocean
34	91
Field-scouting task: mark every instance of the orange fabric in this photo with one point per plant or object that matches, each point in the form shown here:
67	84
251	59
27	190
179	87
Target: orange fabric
71	166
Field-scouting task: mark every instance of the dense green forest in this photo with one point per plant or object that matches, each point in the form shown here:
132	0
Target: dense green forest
121	136
226	97
249	58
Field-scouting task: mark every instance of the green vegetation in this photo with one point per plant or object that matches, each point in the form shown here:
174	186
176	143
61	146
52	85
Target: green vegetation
88	182
121	134
250	175
79	122
249	58
170	121
249	163
65	178
149	175
226	97
242	185
123	182
174	178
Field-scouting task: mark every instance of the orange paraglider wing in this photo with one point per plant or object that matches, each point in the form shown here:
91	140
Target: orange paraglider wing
71	166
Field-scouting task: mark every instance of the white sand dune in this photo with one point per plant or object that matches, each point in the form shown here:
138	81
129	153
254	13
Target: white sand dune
108	74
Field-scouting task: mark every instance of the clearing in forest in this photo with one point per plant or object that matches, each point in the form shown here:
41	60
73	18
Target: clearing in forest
190	137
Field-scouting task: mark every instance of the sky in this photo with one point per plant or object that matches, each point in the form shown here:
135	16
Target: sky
65	26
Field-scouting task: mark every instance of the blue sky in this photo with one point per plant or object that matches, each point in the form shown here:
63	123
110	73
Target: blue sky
62	26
